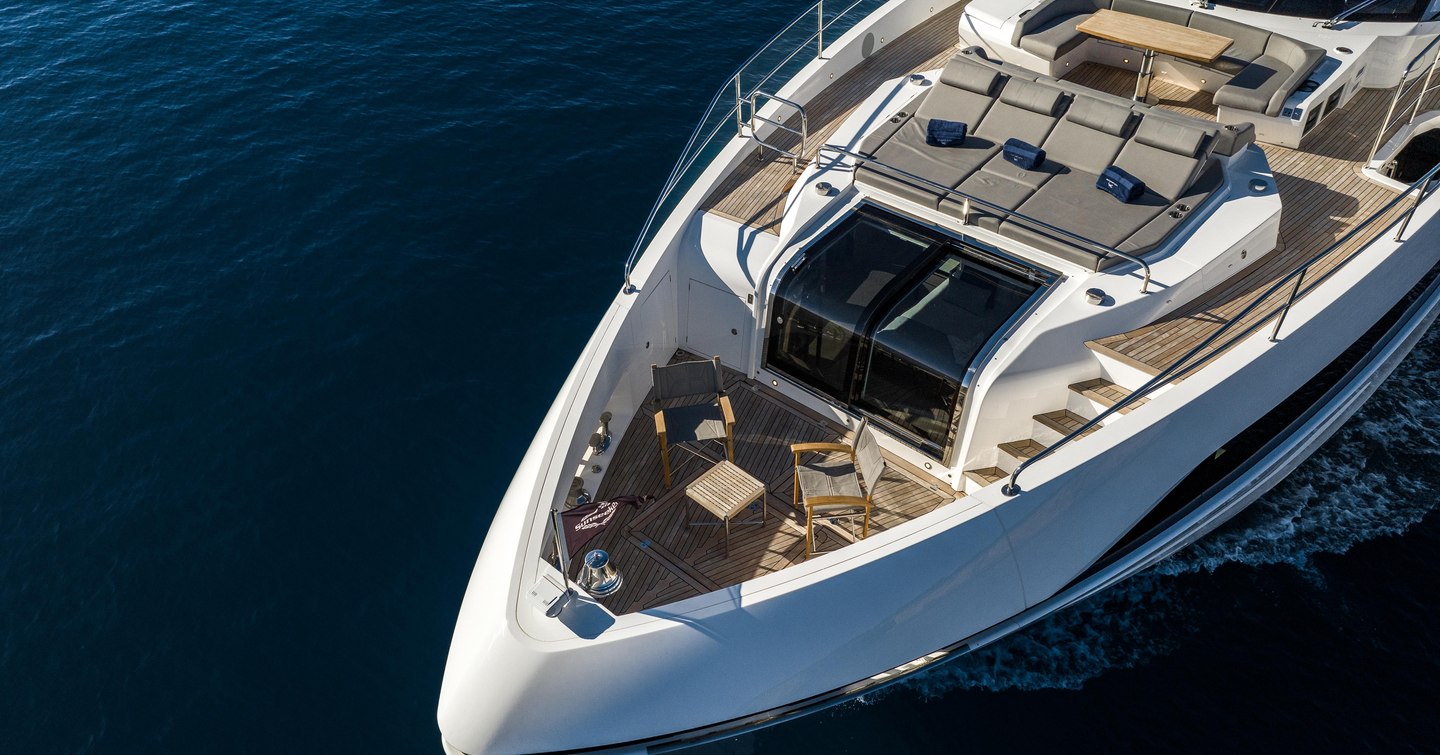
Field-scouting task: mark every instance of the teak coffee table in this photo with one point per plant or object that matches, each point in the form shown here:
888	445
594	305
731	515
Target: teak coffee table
1150	36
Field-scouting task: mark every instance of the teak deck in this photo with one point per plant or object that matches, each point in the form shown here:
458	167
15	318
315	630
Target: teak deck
664	558
754	194
1323	198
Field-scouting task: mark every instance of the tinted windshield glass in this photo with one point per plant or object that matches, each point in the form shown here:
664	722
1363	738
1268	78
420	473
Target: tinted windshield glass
924	344
887	317
825	301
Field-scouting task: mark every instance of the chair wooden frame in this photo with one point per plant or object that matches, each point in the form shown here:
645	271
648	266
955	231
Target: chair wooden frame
863	503
727	412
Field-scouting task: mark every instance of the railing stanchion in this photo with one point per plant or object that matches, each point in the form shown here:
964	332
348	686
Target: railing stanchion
820	29
1420	98
1285	310
739	114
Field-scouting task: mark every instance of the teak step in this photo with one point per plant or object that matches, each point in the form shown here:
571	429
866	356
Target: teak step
1064	421
1105	393
986	475
1022	449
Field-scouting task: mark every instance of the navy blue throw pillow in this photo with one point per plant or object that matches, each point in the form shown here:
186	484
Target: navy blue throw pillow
1120	184
942	133
1023	154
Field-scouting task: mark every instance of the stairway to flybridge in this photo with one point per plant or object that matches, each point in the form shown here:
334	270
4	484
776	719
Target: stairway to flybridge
1087	400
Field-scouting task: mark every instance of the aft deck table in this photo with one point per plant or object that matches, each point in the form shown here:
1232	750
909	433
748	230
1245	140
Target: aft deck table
1152	36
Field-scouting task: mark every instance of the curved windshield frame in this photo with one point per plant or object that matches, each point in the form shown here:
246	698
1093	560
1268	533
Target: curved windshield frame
890	319
1384	10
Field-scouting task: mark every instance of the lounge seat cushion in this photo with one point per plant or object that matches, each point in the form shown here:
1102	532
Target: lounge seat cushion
999	182
963	73
1165	155
1157	11
1265	84
1071	201
1155	232
1248	42
907	151
1056	38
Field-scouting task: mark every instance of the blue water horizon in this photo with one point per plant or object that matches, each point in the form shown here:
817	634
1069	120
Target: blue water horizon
287	289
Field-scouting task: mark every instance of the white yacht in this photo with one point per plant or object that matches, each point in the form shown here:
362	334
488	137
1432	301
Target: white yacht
987	306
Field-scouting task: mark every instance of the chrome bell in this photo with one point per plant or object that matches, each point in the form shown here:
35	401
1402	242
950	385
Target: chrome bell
598	576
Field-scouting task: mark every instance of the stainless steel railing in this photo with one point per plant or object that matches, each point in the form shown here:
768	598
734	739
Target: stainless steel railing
1404	88
797	158
1088	246
1330	23
730	100
1188	362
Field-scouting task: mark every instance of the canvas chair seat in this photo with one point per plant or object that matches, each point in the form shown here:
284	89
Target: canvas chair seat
832	475
689	424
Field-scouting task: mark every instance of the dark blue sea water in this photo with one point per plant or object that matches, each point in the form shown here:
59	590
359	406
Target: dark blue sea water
285	288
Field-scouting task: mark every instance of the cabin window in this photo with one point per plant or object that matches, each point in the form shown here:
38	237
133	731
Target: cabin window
889	319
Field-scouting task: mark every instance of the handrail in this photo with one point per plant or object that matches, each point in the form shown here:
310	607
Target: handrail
695	146
1089	246
1180	366
803	132
1330	23
1401	90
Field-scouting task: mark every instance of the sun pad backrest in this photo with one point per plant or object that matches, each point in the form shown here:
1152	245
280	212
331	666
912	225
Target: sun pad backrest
1090	135
1025	111
971	76
1165	155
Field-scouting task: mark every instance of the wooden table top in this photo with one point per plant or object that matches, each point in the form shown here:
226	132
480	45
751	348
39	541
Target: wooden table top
1150	34
725	489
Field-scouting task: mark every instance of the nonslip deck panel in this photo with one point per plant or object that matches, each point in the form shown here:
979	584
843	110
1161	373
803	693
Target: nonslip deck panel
672	550
1323	198
754	193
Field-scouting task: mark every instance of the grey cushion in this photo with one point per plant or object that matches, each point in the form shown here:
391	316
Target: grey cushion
969	75
1248	42
1180	138
1071	201
1056	38
954	104
1164	172
1254	87
1081	147
1265	84
1035	97
1156	11
1155	232
1040	17
908	152
882	133
1002	183
687	424
1107	117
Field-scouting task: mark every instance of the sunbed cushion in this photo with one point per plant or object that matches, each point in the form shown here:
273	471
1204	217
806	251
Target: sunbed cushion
1037	98
972	77
1102	116
1170	136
